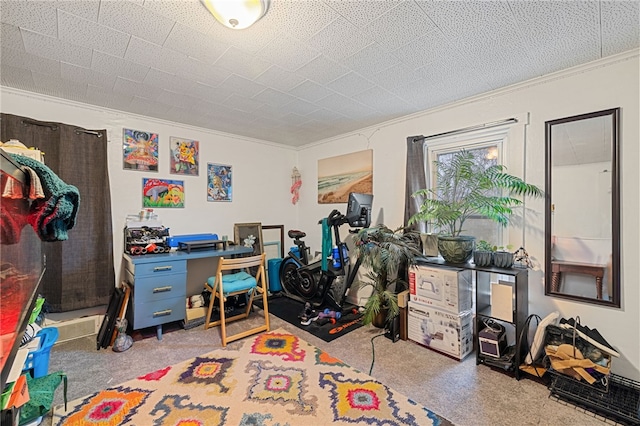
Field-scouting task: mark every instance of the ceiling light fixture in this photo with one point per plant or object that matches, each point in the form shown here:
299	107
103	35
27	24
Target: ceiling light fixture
237	14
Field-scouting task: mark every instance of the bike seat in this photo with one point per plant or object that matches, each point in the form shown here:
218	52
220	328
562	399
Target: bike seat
294	233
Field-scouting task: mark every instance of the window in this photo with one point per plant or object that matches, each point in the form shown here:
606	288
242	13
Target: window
488	148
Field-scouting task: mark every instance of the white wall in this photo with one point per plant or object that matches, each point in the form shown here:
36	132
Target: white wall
262	173
600	85
261	170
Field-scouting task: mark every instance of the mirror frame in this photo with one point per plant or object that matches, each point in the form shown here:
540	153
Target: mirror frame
615	301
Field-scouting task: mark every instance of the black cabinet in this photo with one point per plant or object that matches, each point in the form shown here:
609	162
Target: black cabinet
501	304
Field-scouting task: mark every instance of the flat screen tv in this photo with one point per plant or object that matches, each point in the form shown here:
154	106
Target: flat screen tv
359	209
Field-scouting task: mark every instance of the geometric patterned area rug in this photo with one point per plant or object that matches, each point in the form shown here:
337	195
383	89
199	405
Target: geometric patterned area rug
275	379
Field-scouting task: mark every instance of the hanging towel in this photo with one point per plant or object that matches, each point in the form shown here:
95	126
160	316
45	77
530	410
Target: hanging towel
51	217
327	243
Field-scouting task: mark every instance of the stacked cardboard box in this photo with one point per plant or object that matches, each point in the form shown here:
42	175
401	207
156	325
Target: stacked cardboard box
440	309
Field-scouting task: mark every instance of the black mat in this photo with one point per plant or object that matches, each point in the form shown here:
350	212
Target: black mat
289	309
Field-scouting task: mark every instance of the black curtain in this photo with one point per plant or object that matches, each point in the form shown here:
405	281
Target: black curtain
415	180
79	271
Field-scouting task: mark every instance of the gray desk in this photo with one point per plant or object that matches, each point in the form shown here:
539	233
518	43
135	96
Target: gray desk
159	285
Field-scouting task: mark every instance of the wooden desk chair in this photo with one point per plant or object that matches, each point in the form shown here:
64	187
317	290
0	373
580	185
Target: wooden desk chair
222	286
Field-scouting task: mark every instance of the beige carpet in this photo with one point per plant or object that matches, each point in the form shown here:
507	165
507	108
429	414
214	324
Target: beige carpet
274	378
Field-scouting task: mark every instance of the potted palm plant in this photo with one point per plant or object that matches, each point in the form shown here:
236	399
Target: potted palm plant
466	187
385	253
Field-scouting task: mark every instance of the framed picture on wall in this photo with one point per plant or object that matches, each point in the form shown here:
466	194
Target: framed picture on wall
159	193
140	150
184	156
338	176
219	182
249	235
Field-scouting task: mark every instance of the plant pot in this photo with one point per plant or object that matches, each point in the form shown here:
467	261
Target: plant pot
482	258
380	320
503	259
456	249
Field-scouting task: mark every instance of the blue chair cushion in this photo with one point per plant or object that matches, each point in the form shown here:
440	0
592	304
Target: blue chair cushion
235	282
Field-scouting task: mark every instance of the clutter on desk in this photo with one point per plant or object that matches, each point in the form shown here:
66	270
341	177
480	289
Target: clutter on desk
145	234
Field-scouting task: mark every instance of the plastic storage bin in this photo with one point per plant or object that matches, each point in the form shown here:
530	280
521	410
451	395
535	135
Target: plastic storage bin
38	361
273	266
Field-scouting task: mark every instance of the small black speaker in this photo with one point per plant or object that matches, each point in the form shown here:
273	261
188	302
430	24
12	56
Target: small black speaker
392	329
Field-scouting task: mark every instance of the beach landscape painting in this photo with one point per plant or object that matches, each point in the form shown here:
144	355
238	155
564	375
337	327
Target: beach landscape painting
338	176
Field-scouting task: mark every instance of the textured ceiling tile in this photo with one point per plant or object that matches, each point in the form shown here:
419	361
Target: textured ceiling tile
175	99
242	63
339	39
87	9
361	13
136	20
191	13
144	53
18	78
39	17
22	59
52	48
195	44
399	26
301	106
342	104
82	32
302	20
243	104
242	86
288	53
11	37
620	26
322	70
168	81
371	60
432	47
106	98
394	76
214	76
147	107
118	66
128	87
279	78
274	98
86	76
310	91
55	86
560	31
382	100
268	112
294	119
350	84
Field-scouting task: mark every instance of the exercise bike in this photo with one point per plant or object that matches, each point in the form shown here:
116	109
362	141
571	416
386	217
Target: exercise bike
307	281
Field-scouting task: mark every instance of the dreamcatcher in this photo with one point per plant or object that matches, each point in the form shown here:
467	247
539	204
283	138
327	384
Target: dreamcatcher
296	183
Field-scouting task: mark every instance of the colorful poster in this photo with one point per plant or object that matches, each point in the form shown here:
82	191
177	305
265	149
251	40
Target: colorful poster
184	156
140	150
338	176
160	193
218	182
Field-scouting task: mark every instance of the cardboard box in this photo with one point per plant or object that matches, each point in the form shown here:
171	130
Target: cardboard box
441	287
443	331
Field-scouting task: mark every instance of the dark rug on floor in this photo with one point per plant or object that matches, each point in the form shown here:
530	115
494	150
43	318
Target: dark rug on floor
289	309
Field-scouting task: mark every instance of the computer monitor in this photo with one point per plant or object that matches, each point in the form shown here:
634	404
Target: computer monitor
359	209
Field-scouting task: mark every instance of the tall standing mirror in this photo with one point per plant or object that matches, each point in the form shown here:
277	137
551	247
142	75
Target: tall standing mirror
582	221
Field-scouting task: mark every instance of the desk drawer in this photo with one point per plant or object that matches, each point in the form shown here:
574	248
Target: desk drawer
161	268
160	312
161	287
